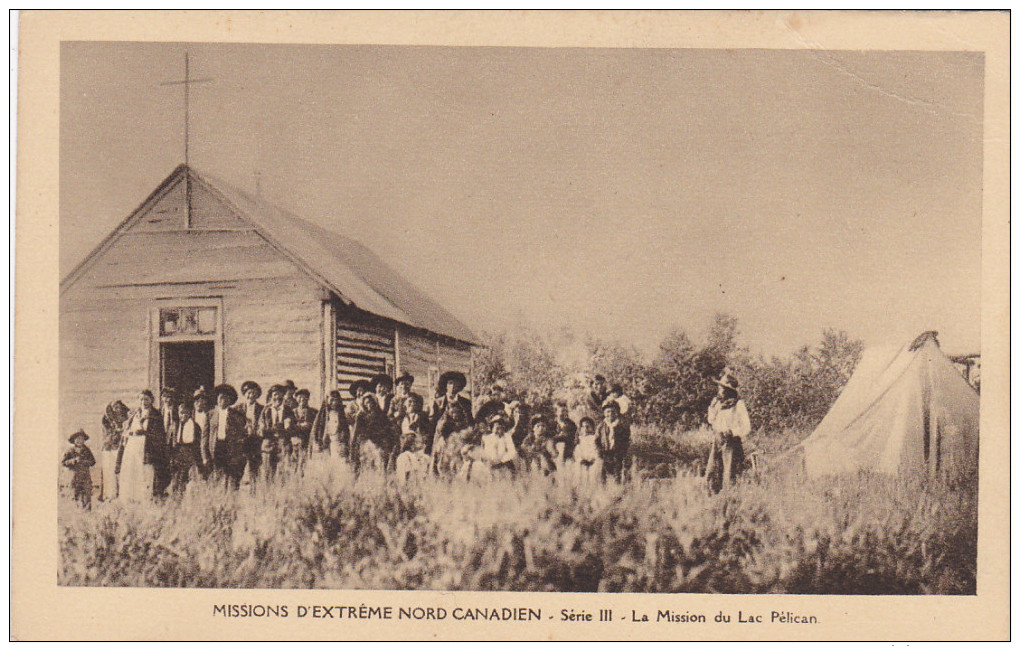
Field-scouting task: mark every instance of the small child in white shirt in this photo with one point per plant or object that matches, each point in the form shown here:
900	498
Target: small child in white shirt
411	461
586	453
498	448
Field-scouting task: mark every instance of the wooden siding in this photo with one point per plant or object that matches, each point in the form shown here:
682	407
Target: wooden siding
428	356
166	213
362	350
207	211
271	314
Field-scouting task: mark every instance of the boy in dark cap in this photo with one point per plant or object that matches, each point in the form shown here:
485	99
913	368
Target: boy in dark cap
275	429
251	410
304	419
613	440
79	460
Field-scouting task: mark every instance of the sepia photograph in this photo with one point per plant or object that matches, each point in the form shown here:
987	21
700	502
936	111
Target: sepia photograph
513	319
468	318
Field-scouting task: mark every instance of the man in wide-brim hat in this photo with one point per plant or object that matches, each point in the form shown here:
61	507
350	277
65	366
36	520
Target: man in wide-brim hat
451	377
450	412
398	403
224	437
225	394
363	385
357	390
382	387
251	386
727	415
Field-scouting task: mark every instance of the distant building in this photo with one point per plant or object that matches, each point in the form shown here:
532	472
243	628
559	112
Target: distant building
204	284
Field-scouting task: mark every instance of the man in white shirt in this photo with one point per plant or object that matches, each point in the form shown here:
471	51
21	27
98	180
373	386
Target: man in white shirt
226	436
728	417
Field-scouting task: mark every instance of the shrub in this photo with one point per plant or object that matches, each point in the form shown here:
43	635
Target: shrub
772	532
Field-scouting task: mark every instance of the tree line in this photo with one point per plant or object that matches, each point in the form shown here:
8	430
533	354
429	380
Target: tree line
673	387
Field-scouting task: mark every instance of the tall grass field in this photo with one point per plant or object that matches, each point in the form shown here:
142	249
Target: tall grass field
659	532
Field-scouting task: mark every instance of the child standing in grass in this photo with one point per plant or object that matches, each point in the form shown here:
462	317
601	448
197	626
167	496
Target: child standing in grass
586	453
79	460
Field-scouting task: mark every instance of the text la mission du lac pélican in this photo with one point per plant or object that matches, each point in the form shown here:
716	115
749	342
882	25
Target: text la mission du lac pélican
501	614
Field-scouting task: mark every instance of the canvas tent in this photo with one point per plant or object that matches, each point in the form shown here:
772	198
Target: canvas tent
906	411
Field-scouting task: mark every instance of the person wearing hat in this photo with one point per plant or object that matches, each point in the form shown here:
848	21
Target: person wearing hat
498	449
382	387
612	437
79	460
113	429
224	433
450	412
357	389
168	412
275	428
397	407
727	415
290	394
145	451
304	419
330	430
186	447
250	408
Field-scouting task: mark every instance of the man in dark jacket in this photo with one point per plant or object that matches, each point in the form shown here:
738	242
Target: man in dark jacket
612	437
224	435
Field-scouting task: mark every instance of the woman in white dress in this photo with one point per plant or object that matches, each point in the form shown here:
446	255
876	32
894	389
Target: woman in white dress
144	450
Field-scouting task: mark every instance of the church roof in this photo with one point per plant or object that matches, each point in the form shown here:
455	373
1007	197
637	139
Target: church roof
346	267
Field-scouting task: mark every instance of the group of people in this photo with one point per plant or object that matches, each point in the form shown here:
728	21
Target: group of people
151	451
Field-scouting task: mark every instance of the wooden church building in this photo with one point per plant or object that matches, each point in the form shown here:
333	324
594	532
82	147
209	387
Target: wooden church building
204	284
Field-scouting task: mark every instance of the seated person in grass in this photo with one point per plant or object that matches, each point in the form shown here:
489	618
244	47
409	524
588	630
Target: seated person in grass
79	460
412	463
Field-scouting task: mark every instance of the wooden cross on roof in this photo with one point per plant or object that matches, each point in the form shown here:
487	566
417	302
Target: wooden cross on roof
187	82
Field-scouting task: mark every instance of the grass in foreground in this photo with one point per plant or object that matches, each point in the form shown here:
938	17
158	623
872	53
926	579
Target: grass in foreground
775	533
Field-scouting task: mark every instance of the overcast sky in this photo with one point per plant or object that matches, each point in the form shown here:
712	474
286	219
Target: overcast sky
619	191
